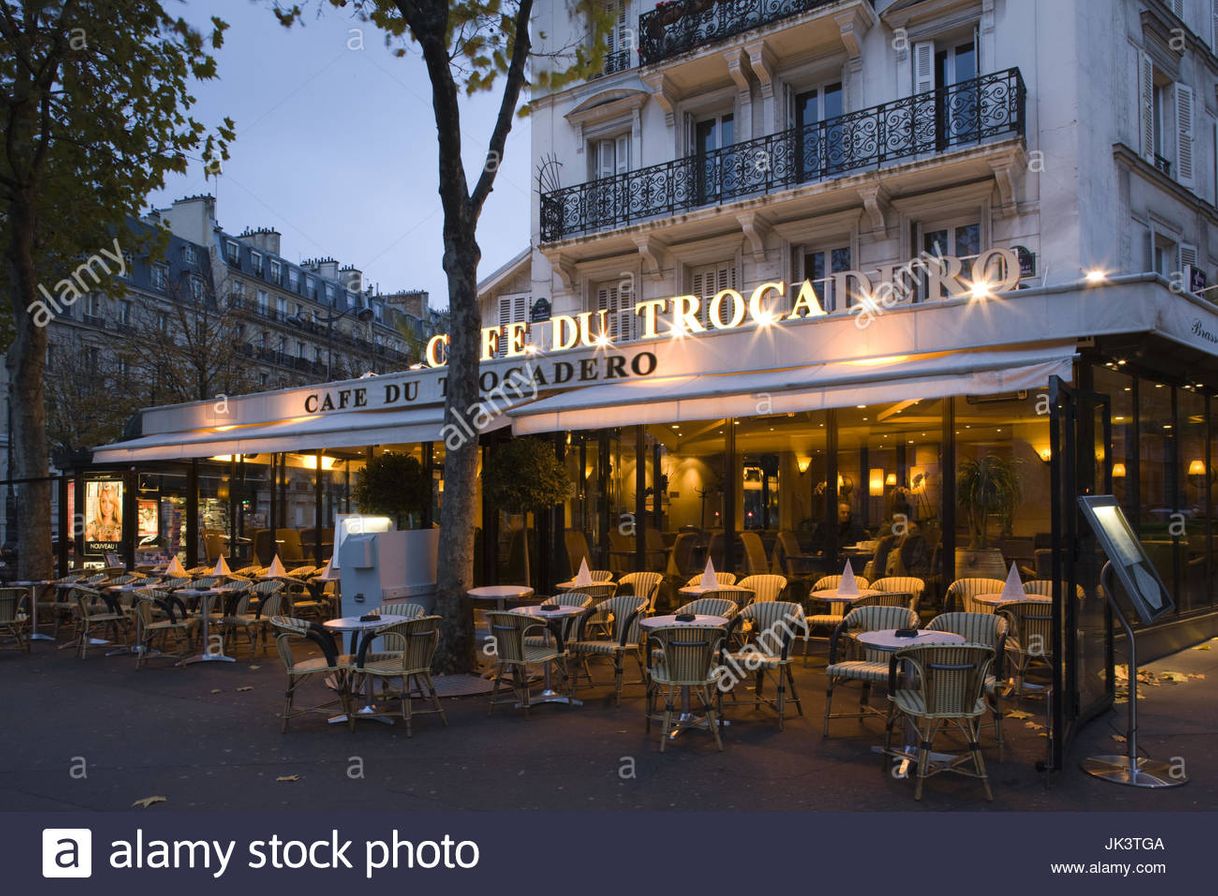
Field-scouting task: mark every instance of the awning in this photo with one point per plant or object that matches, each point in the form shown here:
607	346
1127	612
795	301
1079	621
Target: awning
796	389
352	430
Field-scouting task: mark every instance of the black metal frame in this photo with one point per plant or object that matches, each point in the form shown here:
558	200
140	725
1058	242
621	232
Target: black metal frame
986	107
676	27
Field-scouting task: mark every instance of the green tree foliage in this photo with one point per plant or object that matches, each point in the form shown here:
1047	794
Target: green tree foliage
94	100
525	475
393	485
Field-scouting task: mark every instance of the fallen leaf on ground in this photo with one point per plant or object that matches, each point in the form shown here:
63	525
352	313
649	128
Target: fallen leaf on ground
245	688
1119	738
288	778
1018	714
255	668
149	801
215	690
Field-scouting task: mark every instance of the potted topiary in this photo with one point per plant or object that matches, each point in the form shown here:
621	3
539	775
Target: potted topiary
987	489
393	485
524	476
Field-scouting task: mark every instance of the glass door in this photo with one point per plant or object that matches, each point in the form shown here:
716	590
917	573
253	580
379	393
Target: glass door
819	129
711	135
955	75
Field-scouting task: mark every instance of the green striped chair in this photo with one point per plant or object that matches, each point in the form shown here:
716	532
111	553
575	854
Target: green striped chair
950	694
1031	638
624	612
765	587
680	657
833	616
961	592
911	586
643	584
568	599
290	631
407	650
712	603
990	630
849	661
774	626
513	656
723	578
159	613
13	621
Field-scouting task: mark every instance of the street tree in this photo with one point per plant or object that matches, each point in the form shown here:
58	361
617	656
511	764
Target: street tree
468	48
95	110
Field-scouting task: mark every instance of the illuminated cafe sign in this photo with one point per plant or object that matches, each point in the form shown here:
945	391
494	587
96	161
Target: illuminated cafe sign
947	277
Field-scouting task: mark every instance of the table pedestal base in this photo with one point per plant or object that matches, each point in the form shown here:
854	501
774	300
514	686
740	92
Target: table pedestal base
550	695
207	658
367	713
1149	773
906	758
137	650
39	636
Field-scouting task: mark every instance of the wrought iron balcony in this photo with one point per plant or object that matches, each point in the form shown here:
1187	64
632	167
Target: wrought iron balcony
614	63
991	106
679	25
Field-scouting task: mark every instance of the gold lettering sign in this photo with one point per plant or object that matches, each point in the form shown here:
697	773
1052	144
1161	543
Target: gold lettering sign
947	277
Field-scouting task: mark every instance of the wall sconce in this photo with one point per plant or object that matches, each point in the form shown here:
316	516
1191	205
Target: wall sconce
803	461
890	479
875	484
1046	454
1196	467
1118	471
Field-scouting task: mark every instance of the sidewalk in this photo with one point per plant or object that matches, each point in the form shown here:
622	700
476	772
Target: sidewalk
99	735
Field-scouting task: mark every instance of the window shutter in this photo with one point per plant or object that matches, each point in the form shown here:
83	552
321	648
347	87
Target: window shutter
605	165
1146	103
621	152
1188	261
1214	25
924	66
788	102
1184	134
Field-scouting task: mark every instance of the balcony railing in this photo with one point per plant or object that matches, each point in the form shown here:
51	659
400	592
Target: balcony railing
681	25
991	106
614	63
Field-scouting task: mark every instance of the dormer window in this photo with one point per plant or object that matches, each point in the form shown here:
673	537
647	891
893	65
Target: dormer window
232	251
256	263
275	270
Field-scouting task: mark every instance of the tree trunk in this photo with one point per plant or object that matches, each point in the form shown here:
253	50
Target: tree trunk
458	512
26	363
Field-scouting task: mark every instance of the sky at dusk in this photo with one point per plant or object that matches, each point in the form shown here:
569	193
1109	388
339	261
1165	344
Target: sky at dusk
336	148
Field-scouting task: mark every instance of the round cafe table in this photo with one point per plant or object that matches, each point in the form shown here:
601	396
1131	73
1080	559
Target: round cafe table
687	718
208	655
499	594
357	628
998	600
550	616
834	596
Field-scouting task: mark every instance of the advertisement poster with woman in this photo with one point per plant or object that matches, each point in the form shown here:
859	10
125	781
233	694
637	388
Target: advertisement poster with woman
103	515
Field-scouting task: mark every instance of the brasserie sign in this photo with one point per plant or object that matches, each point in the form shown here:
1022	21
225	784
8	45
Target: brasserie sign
946	277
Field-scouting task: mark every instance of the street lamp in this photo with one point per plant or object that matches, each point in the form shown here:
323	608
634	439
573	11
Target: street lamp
362	314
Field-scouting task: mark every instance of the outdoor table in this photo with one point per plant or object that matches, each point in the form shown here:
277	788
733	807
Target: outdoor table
207	656
887	641
572	585
500	594
998	600
357	628
557	614
695	591
33	586
834	596
687	719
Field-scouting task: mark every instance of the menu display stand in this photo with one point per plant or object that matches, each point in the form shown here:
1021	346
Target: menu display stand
1128	563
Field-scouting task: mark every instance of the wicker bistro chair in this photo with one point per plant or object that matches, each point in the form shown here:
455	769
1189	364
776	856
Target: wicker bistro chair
961	592
624	612
601	576
911	586
723	578
684	657
407	650
94	612
765	587
513	656
989	630
13	620
160	613
831	619
775	624
713	603
331	663
1031	639
950	693
643	584
599	592
849	661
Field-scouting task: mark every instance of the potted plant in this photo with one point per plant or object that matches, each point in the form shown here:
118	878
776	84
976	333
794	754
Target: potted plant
393	485
987	489
525	476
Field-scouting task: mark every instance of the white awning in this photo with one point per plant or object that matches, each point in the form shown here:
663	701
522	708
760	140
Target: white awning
299	434
796	389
